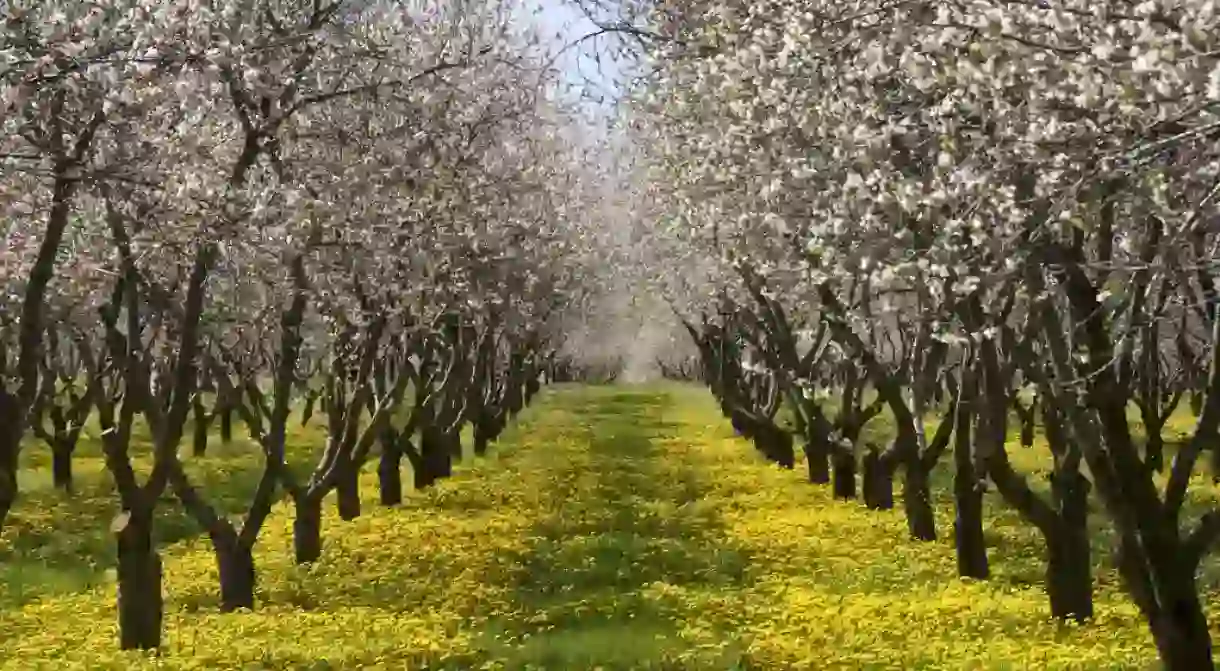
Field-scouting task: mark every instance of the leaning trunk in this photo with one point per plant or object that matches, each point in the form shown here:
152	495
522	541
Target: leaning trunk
140	601
307	529
1180	628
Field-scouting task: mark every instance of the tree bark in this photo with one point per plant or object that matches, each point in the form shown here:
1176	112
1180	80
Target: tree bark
347	490
844	473
61	465
817	454
200	429
389	473
10	441
436	461
140	602
1180	631
917	502
878	481
307	529
1154	447
1069	574
967	492
307	413
237	576
226	423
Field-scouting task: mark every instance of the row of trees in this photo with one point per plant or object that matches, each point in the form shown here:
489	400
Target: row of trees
230	210
997	215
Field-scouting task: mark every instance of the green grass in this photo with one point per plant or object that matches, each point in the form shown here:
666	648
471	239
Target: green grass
614	527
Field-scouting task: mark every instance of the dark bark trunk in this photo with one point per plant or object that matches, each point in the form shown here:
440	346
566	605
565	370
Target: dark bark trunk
917	502
878	481
967	498
1154	447
140	602
1180	631
307	412
1027	429
226	424
307	530
347	491
1069	573
61	465
389	474
844	473
968	530
10	440
776	445
237	576
817	455
437	458
199	445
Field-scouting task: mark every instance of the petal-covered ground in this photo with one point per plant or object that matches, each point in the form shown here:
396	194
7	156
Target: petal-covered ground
615	528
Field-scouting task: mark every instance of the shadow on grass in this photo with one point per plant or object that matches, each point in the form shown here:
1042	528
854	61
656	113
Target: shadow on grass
623	525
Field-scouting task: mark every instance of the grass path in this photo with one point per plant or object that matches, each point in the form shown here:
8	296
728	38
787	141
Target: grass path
614	528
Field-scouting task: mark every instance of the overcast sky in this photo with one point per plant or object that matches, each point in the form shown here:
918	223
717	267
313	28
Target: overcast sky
563	23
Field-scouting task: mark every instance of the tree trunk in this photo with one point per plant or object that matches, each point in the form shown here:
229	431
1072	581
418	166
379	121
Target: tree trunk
917	502
817	455
1028	420
878	481
307	412
436	461
1069	575
61	464
307	529
1154	447
1180	631
967	499
226	423
200	429
10	442
347	491
140	601
237	576
1069	568
844	461
389	474
776	445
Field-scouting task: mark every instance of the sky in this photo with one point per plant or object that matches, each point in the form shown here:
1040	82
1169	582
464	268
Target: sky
563	23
